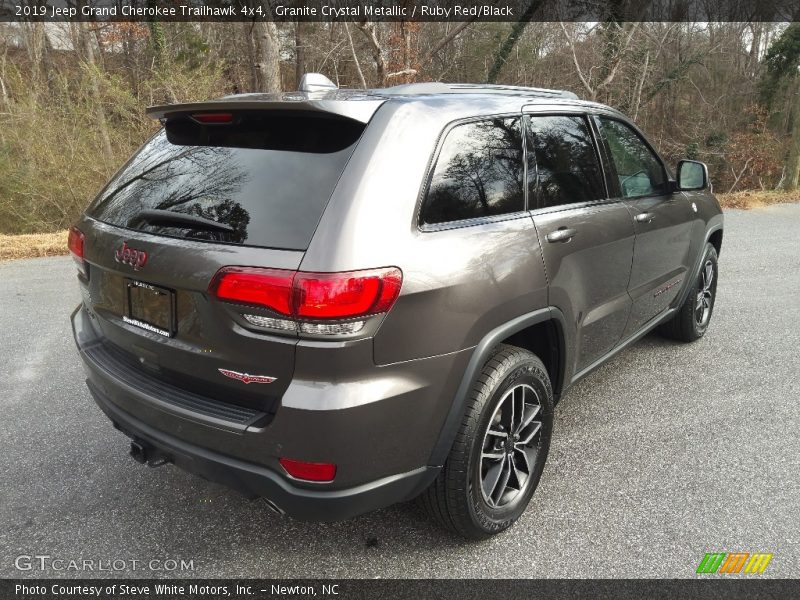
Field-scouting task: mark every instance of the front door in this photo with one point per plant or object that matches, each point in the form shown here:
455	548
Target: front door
587	240
663	221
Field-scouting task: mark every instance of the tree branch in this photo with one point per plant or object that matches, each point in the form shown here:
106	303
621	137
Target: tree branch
355	58
571	45
444	41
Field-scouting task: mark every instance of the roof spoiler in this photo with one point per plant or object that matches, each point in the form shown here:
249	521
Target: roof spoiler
358	109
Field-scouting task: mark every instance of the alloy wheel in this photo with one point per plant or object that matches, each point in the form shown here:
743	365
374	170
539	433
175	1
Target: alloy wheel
705	299
511	446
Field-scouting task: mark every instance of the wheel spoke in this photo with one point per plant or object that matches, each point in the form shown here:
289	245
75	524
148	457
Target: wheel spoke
708	276
521	451
491	479
530	456
530	413
524	441
497	433
502	483
493	455
518	475
700	297
512	406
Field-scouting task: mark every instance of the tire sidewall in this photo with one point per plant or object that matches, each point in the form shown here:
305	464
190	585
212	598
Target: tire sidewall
493	520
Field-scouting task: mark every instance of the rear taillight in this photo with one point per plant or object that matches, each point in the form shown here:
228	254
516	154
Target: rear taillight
346	295
309	471
76	242
310	300
261	287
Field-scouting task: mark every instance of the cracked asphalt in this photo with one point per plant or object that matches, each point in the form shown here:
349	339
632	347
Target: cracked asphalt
665	453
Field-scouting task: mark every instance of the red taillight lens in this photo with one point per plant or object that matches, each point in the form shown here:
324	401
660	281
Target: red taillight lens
261	287
309	471
345	295
213	118
76	242
310	296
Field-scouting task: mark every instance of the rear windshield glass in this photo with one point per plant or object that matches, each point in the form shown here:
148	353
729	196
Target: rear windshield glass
262	180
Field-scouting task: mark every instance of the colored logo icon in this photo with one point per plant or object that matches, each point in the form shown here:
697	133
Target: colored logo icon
734	562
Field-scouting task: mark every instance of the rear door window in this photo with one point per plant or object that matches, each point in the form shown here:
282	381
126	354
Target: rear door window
563	164
262	180
478	173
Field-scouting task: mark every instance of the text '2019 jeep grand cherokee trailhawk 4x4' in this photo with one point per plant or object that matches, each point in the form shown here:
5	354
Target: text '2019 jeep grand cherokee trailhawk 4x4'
338	300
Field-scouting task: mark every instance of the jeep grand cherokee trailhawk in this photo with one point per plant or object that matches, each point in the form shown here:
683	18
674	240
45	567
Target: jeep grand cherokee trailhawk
338	300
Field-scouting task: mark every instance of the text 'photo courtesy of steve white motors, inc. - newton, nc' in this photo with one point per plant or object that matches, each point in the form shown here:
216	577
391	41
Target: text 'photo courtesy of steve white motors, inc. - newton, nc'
280	11
172	590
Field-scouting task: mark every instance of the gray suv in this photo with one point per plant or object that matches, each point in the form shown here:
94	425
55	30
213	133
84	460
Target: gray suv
338	300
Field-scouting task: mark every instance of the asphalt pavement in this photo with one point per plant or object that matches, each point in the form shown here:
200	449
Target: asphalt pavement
665	453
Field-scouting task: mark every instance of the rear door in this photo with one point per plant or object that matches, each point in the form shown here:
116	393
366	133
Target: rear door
239	190
663	220
587	239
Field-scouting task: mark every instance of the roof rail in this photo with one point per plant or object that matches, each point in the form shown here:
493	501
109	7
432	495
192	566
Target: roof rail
411	89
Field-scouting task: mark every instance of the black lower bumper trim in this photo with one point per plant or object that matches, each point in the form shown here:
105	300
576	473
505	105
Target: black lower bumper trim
257	481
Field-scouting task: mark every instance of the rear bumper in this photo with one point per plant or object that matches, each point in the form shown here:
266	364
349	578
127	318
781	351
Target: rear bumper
256	481
381	447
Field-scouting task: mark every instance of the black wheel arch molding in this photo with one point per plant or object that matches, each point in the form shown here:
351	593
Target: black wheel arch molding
483	351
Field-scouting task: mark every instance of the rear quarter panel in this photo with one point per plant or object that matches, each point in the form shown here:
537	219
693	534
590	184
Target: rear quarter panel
457	283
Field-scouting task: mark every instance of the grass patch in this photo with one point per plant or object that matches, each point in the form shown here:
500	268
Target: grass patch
32	245
756	199
55	244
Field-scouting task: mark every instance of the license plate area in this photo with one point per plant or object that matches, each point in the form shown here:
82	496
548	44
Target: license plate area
150	307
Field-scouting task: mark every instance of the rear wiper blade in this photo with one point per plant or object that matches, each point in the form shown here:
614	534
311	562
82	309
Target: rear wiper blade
167	217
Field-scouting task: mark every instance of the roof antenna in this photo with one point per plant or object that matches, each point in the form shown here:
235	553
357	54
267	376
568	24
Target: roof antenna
316	82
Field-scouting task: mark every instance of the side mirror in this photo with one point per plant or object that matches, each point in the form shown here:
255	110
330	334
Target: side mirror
692	175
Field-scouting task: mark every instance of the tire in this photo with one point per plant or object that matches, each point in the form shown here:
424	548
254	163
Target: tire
691	321
458	498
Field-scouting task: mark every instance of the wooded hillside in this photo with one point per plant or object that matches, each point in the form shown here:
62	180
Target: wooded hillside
72	97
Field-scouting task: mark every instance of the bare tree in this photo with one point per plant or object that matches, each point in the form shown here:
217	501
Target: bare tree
368	28
613	52
265	53
86	39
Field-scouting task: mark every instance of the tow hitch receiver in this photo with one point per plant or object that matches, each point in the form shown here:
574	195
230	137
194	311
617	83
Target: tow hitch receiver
148	455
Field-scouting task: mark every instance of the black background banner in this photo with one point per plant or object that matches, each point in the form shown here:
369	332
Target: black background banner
400	10
739	588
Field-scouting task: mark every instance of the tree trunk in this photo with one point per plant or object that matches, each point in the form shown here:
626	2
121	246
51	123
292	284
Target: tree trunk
369	30
792	165
87	49
266	57
516	32
300	31
37	46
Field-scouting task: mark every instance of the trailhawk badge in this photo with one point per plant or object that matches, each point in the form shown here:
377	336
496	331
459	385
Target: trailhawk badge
245	377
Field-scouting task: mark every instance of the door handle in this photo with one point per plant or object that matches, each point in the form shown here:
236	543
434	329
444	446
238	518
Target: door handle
561	235
644	217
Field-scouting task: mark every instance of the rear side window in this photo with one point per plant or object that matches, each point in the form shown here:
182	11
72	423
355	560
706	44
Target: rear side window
639	171
566	167
263	180
478	173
